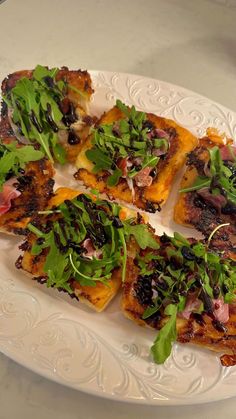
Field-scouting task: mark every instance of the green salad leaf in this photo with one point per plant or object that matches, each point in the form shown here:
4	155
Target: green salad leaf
14	158
162	345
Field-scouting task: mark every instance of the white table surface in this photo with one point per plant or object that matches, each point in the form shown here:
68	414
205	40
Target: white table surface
189	43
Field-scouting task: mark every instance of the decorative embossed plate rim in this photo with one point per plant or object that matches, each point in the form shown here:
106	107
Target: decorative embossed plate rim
105	354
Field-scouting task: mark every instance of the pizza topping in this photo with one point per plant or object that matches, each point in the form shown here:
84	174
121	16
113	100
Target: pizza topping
143	177
85	240
8	193
123	164
38	110
183	278
218	186
221	310
13	160
128	148
218	201
90	250
193	305
228	152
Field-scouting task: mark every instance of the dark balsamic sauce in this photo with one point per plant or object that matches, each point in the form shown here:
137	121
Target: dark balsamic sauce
50	119
73	139
220	327
35	122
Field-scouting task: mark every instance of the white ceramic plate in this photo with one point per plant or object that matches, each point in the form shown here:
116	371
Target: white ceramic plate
106	354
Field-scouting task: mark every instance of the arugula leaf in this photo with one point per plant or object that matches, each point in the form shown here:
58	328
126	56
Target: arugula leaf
114	178
151	310
162	346
13	158
120	105
200	182
101	160
40	72
142	235
35	106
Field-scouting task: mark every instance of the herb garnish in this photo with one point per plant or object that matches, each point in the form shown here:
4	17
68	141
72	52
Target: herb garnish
65	232
14	158
34	104
179	270
221	178
129	138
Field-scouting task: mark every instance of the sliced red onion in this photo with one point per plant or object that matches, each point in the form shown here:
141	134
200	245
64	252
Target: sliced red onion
192	304
154	291
138	160
116	129
21	138
228	152
158	133
90	250
8	194
221	310
142	178
218	201
158	152
206	170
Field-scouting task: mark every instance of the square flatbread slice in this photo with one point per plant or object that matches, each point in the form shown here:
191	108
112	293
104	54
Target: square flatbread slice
210	205
74	107
81	244
162	290
165	145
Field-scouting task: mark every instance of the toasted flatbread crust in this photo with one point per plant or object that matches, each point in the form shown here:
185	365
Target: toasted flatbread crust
205	219
96	297
34	197
201	333
79	79
183	210
148	198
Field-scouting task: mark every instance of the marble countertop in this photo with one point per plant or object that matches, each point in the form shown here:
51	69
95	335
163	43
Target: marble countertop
187	43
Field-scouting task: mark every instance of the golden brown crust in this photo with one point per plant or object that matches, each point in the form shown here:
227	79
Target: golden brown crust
155	195
37	188
99	297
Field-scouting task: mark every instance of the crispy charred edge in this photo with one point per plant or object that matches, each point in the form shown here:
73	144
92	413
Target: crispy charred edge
201	330
144	199
36	187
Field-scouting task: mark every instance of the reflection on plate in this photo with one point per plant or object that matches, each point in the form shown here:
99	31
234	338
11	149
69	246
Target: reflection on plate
106	354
